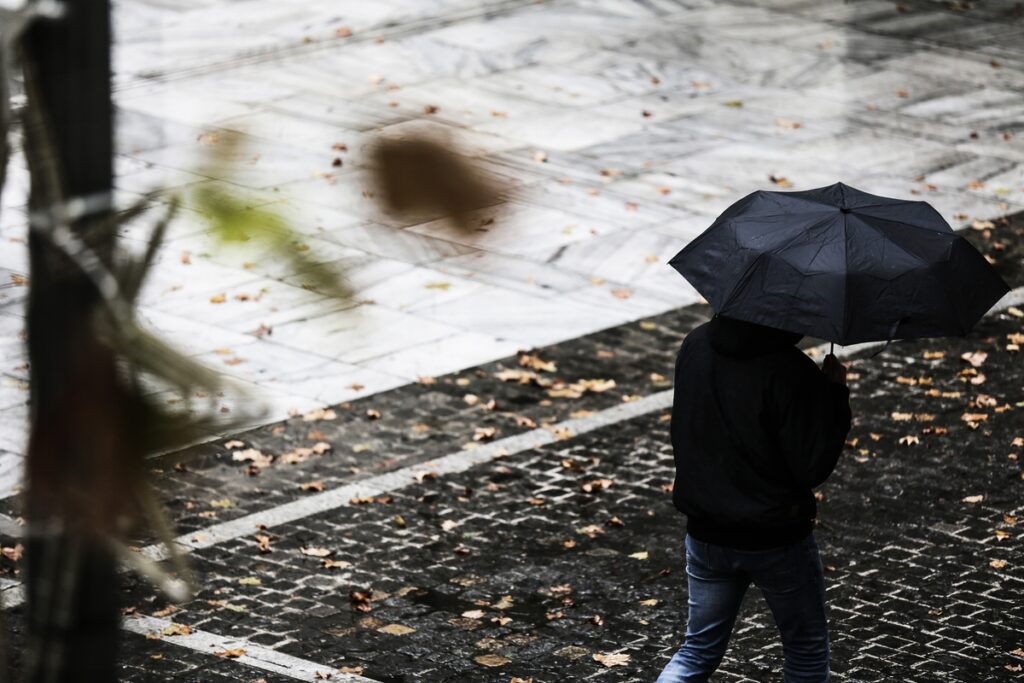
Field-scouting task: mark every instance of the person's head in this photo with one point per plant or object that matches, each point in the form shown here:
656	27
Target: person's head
739	336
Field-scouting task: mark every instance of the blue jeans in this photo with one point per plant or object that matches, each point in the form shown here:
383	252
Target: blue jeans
793	585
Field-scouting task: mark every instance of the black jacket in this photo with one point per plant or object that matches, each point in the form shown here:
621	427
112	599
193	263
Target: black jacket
744	478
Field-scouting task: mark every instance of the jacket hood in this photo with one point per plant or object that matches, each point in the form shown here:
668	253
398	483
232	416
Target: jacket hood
741	338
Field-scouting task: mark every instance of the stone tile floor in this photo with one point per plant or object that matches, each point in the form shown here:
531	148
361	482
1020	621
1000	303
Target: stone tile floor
652	115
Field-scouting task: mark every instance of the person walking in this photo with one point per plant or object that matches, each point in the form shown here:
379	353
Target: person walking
756	425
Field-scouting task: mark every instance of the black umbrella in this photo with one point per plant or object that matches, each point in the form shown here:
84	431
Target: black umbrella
841	265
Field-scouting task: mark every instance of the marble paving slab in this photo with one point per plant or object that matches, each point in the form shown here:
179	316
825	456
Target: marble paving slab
615	130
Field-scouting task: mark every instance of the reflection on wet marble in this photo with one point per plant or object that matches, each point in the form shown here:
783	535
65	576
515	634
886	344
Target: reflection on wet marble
616	130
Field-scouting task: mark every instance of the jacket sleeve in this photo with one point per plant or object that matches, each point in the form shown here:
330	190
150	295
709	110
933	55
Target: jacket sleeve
813	420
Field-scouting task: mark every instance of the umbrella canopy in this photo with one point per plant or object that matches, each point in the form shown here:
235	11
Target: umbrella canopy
841	265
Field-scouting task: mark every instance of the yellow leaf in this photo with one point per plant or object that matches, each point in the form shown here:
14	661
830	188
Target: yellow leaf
250	581
642	555
438	285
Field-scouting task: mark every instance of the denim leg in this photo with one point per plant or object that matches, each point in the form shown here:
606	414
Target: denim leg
715	594
797	600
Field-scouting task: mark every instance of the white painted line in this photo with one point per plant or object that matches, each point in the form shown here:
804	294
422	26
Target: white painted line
460	461
256	656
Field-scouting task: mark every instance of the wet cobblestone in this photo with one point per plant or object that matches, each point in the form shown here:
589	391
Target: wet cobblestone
914	594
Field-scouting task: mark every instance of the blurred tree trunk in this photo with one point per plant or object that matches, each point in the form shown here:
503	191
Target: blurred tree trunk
75	435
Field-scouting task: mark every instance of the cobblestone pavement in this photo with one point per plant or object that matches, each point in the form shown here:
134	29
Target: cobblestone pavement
617	130
530	564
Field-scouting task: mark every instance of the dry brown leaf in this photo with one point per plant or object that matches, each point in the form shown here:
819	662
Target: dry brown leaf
534	362
484	433
263	542
596	485
176	630
397	629
313	486
612	659
975	358
491	660
230	654
319	414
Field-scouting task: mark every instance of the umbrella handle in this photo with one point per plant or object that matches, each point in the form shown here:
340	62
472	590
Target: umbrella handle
832	348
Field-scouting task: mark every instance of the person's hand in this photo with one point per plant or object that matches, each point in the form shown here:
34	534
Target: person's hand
833	369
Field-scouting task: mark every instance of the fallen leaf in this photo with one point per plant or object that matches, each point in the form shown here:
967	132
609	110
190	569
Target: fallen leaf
974	499
909	440
596	485
612	659
313	486
233	444
642	555
491	660
176	630
997	564
536	363
484	433
474	614
396	629
651	602
13	554
975	358
360	600
319	414
230	654
505	602
263	543
314	551
218	299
